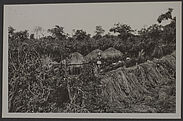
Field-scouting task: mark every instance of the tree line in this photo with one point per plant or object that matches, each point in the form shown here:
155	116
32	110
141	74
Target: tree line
154	41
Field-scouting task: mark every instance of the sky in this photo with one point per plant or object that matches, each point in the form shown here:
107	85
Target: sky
85	16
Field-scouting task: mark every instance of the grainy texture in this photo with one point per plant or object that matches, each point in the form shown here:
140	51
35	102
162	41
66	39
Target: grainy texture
134	72
148	87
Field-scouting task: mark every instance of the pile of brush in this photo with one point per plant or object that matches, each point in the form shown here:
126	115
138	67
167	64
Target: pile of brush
148	87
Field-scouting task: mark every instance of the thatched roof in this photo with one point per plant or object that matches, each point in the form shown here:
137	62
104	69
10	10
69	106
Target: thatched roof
93	55
111	53
76	58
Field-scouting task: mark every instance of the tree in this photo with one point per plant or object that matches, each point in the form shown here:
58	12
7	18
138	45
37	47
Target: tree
22	35
10	32
123	30
98	32
169	32
154	32
81	35
166	16
17	36
58	32
151	37
32	36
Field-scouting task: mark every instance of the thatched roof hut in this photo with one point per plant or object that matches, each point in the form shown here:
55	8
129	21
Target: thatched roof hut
111	53
75	63
76	58
93	55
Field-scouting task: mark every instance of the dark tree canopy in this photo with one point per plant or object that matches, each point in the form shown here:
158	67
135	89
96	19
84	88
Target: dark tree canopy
123	30
81	35
165	16
58	32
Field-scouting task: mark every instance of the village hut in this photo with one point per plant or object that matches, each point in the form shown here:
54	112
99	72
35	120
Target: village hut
93	55
111	53
75	63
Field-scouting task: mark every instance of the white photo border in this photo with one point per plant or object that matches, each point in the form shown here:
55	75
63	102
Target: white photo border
177	115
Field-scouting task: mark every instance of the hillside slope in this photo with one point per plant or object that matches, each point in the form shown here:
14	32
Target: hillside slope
148	87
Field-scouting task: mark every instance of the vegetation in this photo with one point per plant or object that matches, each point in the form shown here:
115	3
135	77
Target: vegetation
34	87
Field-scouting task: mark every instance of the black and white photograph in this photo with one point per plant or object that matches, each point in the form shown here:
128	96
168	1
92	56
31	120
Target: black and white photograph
97	60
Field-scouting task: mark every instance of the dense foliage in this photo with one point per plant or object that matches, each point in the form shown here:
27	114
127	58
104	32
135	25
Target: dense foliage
34	87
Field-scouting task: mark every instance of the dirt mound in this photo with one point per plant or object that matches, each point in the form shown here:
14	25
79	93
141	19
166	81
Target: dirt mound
148	87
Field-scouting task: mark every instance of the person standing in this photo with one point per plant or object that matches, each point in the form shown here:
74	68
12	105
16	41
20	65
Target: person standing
99	62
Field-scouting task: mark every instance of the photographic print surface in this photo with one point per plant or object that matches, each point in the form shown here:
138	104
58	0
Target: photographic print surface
93	59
